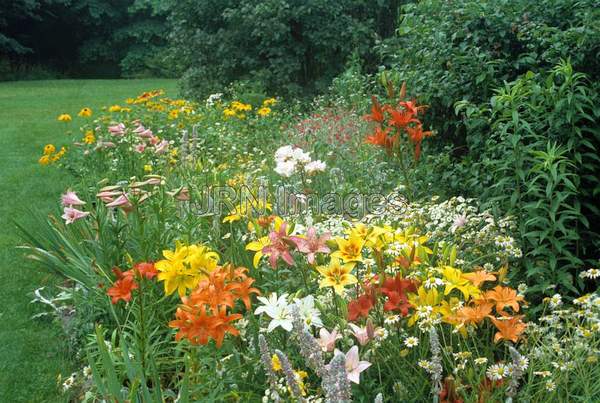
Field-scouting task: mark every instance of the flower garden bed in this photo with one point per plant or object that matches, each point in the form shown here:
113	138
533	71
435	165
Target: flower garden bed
237	250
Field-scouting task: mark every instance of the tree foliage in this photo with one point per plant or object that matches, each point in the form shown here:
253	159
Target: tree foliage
288	45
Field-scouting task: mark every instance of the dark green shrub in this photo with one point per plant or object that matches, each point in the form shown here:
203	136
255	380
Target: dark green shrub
534	154
449	51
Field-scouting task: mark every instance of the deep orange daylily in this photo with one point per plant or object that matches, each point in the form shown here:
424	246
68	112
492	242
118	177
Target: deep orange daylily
416	136
474	314
122	288
376	112
381	138
503	297
479	277
509	328
400	117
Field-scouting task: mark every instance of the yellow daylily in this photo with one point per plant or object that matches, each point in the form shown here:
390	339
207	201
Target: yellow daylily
184	267
455	280
337	275
424	298
245	210
257	246
349	250
371	235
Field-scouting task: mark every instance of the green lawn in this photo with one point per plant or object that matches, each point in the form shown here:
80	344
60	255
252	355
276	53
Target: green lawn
33	353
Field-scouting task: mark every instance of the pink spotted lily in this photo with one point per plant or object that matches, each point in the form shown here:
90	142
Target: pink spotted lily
312	244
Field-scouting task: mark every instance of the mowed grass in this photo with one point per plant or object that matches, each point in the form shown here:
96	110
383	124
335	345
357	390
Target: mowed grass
33	352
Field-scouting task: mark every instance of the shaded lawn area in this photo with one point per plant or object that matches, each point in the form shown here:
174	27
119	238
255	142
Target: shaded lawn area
34	352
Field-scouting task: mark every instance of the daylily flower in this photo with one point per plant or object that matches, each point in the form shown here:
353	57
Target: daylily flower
71	215
161	147
353	364
395	289
416	136
277	308
312	244
337	275
121	289
474	314
509	328
327	340
503	297
145	269
361	333
141	131
279	246
360	307
121	201
70	198
376	112
117	130
400	118
257	246
455	280
382	138
412	107
349	250
479	277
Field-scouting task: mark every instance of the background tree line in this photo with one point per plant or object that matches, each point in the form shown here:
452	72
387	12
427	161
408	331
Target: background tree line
292	44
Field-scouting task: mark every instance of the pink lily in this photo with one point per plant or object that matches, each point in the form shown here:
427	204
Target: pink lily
327	340
71	215
361	333
154	140
279	247
312	244
70	198
140	147
161	147
121	201
146	134
139	129
117	130
353	365
107	196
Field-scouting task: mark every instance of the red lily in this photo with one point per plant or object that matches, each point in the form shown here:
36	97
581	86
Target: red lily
401	118
416	136
395	289
360	307
376	112
381	138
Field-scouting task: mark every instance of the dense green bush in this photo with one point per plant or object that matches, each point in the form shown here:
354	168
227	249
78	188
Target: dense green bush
534	154
462	50
291	46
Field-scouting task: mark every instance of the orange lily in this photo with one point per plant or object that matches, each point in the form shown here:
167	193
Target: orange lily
474	314
376	112
416	136
503	297
509	328
479	277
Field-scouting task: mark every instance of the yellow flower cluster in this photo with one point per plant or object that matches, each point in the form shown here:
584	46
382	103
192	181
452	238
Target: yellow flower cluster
183	268
245	210
50	155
